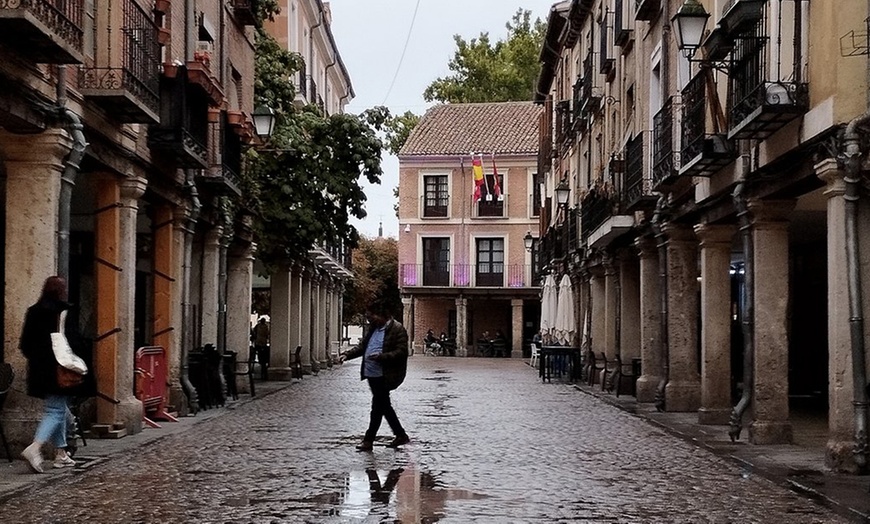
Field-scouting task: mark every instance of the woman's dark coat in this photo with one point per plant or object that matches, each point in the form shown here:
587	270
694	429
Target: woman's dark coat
39	322
394	358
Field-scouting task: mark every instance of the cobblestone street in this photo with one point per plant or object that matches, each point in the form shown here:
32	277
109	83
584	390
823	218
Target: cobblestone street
490	443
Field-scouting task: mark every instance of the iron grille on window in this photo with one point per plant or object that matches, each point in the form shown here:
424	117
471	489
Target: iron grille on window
596	208
302	87
746	76
633	176
589	96
694	127
435	196
663	143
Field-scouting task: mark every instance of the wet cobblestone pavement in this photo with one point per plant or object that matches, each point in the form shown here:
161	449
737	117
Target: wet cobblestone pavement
490	443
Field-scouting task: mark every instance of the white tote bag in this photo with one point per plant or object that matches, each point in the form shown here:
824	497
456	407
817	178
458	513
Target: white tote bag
63	353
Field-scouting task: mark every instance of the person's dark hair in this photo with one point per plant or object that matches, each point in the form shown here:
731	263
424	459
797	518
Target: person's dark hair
54	289
379	307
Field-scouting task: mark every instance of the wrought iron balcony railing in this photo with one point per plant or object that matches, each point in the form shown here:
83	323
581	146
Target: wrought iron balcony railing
435	205
762	102
245	11
43	31
623	31
597	206
482	274
633	187
490	206
590	97
128	86
645	10
664	162
705	149
226	159
182	132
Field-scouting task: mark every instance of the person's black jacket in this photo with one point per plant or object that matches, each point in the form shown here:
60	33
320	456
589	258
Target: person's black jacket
394	359
40	321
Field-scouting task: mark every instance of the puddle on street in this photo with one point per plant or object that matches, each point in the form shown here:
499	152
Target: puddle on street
401	495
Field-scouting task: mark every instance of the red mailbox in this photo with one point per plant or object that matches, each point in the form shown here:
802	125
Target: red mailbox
151	384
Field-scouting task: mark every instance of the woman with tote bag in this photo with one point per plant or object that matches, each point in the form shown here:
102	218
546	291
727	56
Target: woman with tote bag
51	368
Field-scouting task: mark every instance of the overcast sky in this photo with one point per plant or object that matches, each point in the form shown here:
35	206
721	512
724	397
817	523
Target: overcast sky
371	34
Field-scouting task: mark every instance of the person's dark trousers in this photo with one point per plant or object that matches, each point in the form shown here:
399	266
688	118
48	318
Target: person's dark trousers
381	408
263	356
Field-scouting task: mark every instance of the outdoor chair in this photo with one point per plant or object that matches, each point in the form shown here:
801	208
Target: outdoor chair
6	377
499	347
536	354
232	370
627	374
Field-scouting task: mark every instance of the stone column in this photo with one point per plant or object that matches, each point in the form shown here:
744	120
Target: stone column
408	320
770	395
629	302
209	282
33	169
240	276
598	327
167	262
324	320
317	320
715	243
461	327
129	411
309	364
683	390
611	305
517	328
650	320
280	324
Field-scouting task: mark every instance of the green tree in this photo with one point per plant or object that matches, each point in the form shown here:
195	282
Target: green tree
493	72
305	186
376	270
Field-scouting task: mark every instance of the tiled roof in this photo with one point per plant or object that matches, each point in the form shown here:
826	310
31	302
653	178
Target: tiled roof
460	129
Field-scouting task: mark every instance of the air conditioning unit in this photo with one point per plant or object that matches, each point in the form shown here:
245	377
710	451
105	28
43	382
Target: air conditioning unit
203	51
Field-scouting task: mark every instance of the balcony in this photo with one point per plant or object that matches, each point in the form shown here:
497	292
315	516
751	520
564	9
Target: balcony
43	31
222	177
607	60
245	11
483	274
564	125
590	95
635	186
703	152
312	92
665	164
545	138
623	32
762	102
435	206
126	85
601	217
182	133
553	246
490	206
646	10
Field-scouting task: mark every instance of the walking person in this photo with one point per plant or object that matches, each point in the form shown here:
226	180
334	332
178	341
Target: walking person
261	336
384	349
41	320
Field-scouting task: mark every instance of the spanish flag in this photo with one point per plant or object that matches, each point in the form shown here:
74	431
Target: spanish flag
496	188
477	172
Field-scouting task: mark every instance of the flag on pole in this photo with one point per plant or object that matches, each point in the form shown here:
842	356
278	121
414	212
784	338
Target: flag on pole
477	171
496	187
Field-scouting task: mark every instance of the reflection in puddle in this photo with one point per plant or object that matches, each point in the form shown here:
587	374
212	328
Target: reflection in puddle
406	495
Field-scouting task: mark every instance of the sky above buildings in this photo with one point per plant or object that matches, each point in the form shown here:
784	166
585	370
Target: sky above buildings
371	36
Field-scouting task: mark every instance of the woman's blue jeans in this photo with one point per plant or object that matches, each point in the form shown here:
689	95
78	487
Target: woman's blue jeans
52	427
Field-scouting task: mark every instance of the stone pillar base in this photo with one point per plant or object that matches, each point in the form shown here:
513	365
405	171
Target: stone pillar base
682	396
129	413
714	416
280	373
516	354
646	388
840	458
178	400
765	432
308	370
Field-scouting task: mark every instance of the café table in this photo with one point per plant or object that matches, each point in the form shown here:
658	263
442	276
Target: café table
548	360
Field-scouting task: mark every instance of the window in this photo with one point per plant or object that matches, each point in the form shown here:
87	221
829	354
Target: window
535	204
490	262
436	261
491	202
435	197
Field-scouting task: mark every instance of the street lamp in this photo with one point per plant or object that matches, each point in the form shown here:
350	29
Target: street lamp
689	24
562	193
264	122
528	241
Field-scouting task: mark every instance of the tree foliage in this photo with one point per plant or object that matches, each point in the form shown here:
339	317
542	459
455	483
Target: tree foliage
304	187
375	267
493	72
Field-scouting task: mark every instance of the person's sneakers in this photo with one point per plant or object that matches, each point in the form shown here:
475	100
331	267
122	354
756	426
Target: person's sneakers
32	455
64	461
400	440
365	445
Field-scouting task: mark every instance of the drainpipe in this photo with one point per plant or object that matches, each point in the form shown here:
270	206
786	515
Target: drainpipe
748	322
73	125
852	155
186	317
657	221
